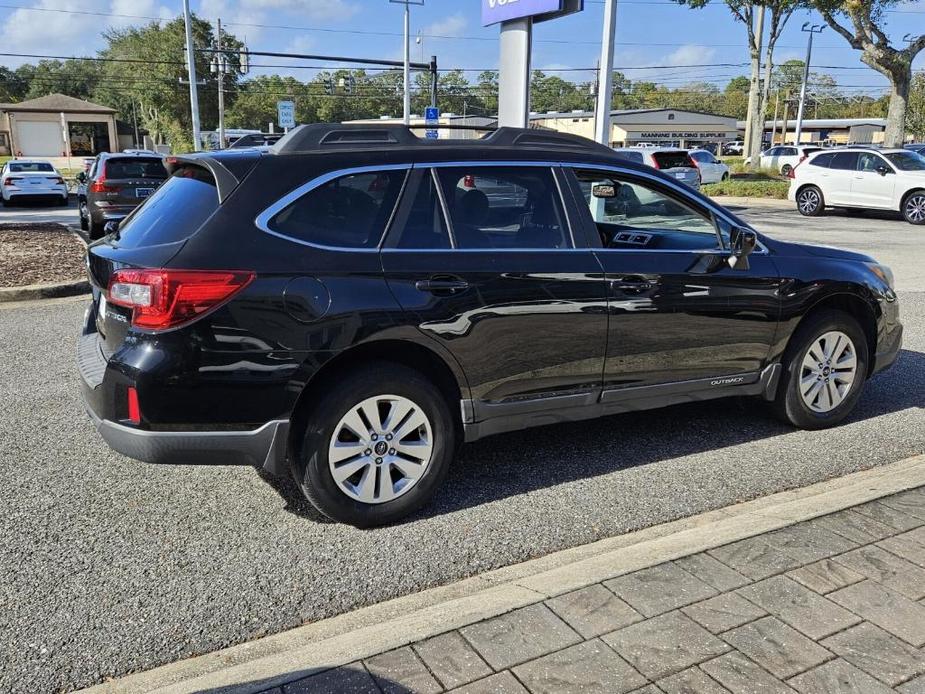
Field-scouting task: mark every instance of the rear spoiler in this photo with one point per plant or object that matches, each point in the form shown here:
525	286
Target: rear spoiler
225	180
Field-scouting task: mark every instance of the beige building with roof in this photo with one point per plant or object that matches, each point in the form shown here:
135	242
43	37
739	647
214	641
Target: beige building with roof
57	126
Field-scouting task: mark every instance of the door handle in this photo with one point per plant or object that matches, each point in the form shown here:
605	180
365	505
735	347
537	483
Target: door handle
632	283
442	284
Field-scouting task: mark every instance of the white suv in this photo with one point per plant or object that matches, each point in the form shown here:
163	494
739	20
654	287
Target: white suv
884	179
784	158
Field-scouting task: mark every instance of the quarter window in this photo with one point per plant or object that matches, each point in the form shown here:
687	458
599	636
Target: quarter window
504	207
348	212
663	222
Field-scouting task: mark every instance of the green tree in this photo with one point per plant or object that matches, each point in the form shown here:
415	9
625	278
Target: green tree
862	23
735	97
915	118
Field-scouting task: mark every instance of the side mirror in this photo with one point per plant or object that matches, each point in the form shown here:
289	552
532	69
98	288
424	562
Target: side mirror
741	244
110	228
884	170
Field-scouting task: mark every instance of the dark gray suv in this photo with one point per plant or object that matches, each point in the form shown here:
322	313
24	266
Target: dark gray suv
115	185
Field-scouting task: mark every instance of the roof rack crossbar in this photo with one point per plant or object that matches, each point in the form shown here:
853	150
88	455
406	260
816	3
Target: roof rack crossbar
322	136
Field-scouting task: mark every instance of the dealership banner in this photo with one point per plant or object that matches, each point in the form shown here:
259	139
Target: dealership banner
494	11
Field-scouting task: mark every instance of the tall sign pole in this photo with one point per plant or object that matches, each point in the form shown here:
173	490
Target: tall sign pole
811	29
517	20
191	67
220	64
602	127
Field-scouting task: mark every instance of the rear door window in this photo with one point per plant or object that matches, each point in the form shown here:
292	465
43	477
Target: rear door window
671	160
174	212
823	160
845	161
351	211
135	167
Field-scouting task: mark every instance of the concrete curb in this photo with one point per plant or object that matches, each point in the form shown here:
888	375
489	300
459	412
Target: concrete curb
275	660
728	200
31	292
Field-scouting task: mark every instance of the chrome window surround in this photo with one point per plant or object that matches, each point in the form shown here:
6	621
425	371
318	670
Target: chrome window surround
262	221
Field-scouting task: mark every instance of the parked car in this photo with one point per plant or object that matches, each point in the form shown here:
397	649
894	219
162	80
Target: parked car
348	307
670	160
116	184
31	180
712	170
256	140
784	158
735	147
859	177
917	147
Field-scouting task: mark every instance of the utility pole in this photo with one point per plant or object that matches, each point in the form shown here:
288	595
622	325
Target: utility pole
811	29
602	129
406	107
219	61
191	68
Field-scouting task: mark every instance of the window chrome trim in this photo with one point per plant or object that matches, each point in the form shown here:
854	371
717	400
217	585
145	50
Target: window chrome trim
444	210
262	221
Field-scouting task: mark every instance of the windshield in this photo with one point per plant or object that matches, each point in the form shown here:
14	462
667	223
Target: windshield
672	160
31	167
907	161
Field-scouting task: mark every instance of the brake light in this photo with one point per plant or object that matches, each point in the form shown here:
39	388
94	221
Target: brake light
134	411
792	172
469	181
655	163
101	187
164	299
11	181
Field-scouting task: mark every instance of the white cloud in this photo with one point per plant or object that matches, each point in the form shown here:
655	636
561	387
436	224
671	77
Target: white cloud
690	54
454	25
311	10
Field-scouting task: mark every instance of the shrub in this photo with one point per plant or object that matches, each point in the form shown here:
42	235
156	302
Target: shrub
764	188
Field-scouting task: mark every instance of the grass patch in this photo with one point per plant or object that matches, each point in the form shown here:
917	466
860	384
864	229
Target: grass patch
748	188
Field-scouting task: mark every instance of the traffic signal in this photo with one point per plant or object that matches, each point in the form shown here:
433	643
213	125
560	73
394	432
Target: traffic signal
329	86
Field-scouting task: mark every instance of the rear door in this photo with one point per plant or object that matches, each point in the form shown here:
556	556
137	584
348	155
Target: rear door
842	170
484	257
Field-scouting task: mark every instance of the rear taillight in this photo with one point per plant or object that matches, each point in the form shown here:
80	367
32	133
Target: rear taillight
655	163
163	299
469	181
792	172
101	187
58	179
11	181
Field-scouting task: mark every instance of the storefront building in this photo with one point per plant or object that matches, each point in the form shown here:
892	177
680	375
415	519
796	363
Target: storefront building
57	126
666	127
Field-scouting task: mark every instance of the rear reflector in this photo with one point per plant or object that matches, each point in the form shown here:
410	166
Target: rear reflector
163	299
134	411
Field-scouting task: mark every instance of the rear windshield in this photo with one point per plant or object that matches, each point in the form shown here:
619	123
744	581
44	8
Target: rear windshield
31	167
671	160
174	212
135	167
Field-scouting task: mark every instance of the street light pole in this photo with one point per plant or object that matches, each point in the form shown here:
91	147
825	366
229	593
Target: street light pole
406	106
811	29
220	70
191	68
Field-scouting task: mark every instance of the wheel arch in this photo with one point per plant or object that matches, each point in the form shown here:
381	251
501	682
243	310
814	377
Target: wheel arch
905	196
448	378
854	305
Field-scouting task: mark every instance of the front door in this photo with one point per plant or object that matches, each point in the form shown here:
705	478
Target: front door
484	257
870	186
679	314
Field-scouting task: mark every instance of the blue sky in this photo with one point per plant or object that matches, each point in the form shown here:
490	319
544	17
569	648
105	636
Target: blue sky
649	33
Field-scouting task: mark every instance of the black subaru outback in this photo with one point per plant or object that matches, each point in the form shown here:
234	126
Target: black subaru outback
351	305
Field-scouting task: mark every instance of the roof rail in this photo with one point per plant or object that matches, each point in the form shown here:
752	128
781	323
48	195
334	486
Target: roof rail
324	136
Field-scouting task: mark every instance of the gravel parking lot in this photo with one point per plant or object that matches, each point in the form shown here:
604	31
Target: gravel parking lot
113	566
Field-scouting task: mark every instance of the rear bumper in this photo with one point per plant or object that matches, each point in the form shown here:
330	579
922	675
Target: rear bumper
41	193
264	447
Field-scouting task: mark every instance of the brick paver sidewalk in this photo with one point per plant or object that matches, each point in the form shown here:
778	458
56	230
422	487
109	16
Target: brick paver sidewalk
835	604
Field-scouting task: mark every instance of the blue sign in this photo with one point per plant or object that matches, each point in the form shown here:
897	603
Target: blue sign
285	111
431	115
494	11
431	134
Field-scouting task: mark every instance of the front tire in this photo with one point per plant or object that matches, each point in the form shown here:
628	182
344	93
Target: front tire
376	447
914	207
825	367
810	202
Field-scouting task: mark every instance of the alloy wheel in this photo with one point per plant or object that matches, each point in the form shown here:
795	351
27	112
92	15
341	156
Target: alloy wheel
829	370
380	449
915	208
808	201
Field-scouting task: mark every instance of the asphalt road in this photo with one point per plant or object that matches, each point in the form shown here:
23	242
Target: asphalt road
111	566
41	212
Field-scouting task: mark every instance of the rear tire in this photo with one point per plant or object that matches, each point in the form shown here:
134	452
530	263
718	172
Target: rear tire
380	479
810	202
785	170
94	230
811	396
81	212
913	208
725	176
